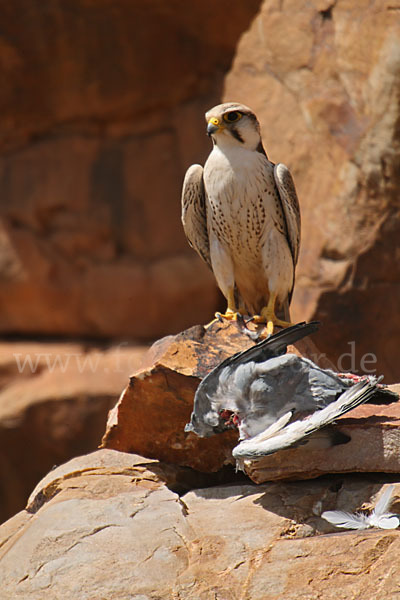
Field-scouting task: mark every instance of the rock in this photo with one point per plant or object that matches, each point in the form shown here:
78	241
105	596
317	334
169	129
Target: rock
150	473
323	78
103	500
93	148
106	525
151	414
54	399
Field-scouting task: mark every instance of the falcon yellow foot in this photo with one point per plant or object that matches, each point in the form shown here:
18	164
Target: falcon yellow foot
271	321
231	312
269	317
229	315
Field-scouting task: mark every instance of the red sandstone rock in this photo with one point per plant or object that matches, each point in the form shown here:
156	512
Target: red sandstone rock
150	416
106	525
101	115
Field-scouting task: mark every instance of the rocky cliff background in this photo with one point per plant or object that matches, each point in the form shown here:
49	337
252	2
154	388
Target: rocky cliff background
102	112
102	109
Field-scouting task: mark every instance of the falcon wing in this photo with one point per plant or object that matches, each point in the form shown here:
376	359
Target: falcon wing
268	442
290	205
194	217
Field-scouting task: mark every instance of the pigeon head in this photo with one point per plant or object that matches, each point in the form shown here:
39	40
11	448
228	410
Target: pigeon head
209	416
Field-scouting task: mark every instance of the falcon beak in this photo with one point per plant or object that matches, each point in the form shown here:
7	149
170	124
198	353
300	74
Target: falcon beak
213	125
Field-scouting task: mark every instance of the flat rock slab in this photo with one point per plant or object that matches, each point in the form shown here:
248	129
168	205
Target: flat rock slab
106	525
150	417
374	447
151	414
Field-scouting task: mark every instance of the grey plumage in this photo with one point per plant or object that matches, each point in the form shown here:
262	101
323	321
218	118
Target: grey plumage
289	434
206	419
276	400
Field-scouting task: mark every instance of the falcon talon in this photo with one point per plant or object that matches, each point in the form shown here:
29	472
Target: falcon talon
249	320
253	335
242	326
240	320
241	323
230	315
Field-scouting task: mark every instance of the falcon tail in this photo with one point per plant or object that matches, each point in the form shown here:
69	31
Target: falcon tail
270	441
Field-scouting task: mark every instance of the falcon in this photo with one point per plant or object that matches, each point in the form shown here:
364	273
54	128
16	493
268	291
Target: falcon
278	400
241	214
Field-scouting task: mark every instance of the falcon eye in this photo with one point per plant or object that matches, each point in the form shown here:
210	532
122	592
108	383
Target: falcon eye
233	116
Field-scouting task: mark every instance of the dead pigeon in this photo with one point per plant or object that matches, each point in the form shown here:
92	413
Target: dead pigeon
276	400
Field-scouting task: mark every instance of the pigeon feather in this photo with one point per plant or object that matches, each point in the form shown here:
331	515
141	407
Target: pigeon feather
379	517
347	520
384	502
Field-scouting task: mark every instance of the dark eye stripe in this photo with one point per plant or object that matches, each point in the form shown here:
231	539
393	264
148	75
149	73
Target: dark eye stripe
237	135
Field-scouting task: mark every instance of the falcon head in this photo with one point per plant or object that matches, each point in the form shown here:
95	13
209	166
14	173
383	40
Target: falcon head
233	124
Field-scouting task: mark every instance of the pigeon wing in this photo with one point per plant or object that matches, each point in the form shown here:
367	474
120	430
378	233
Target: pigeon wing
292	434
275	345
